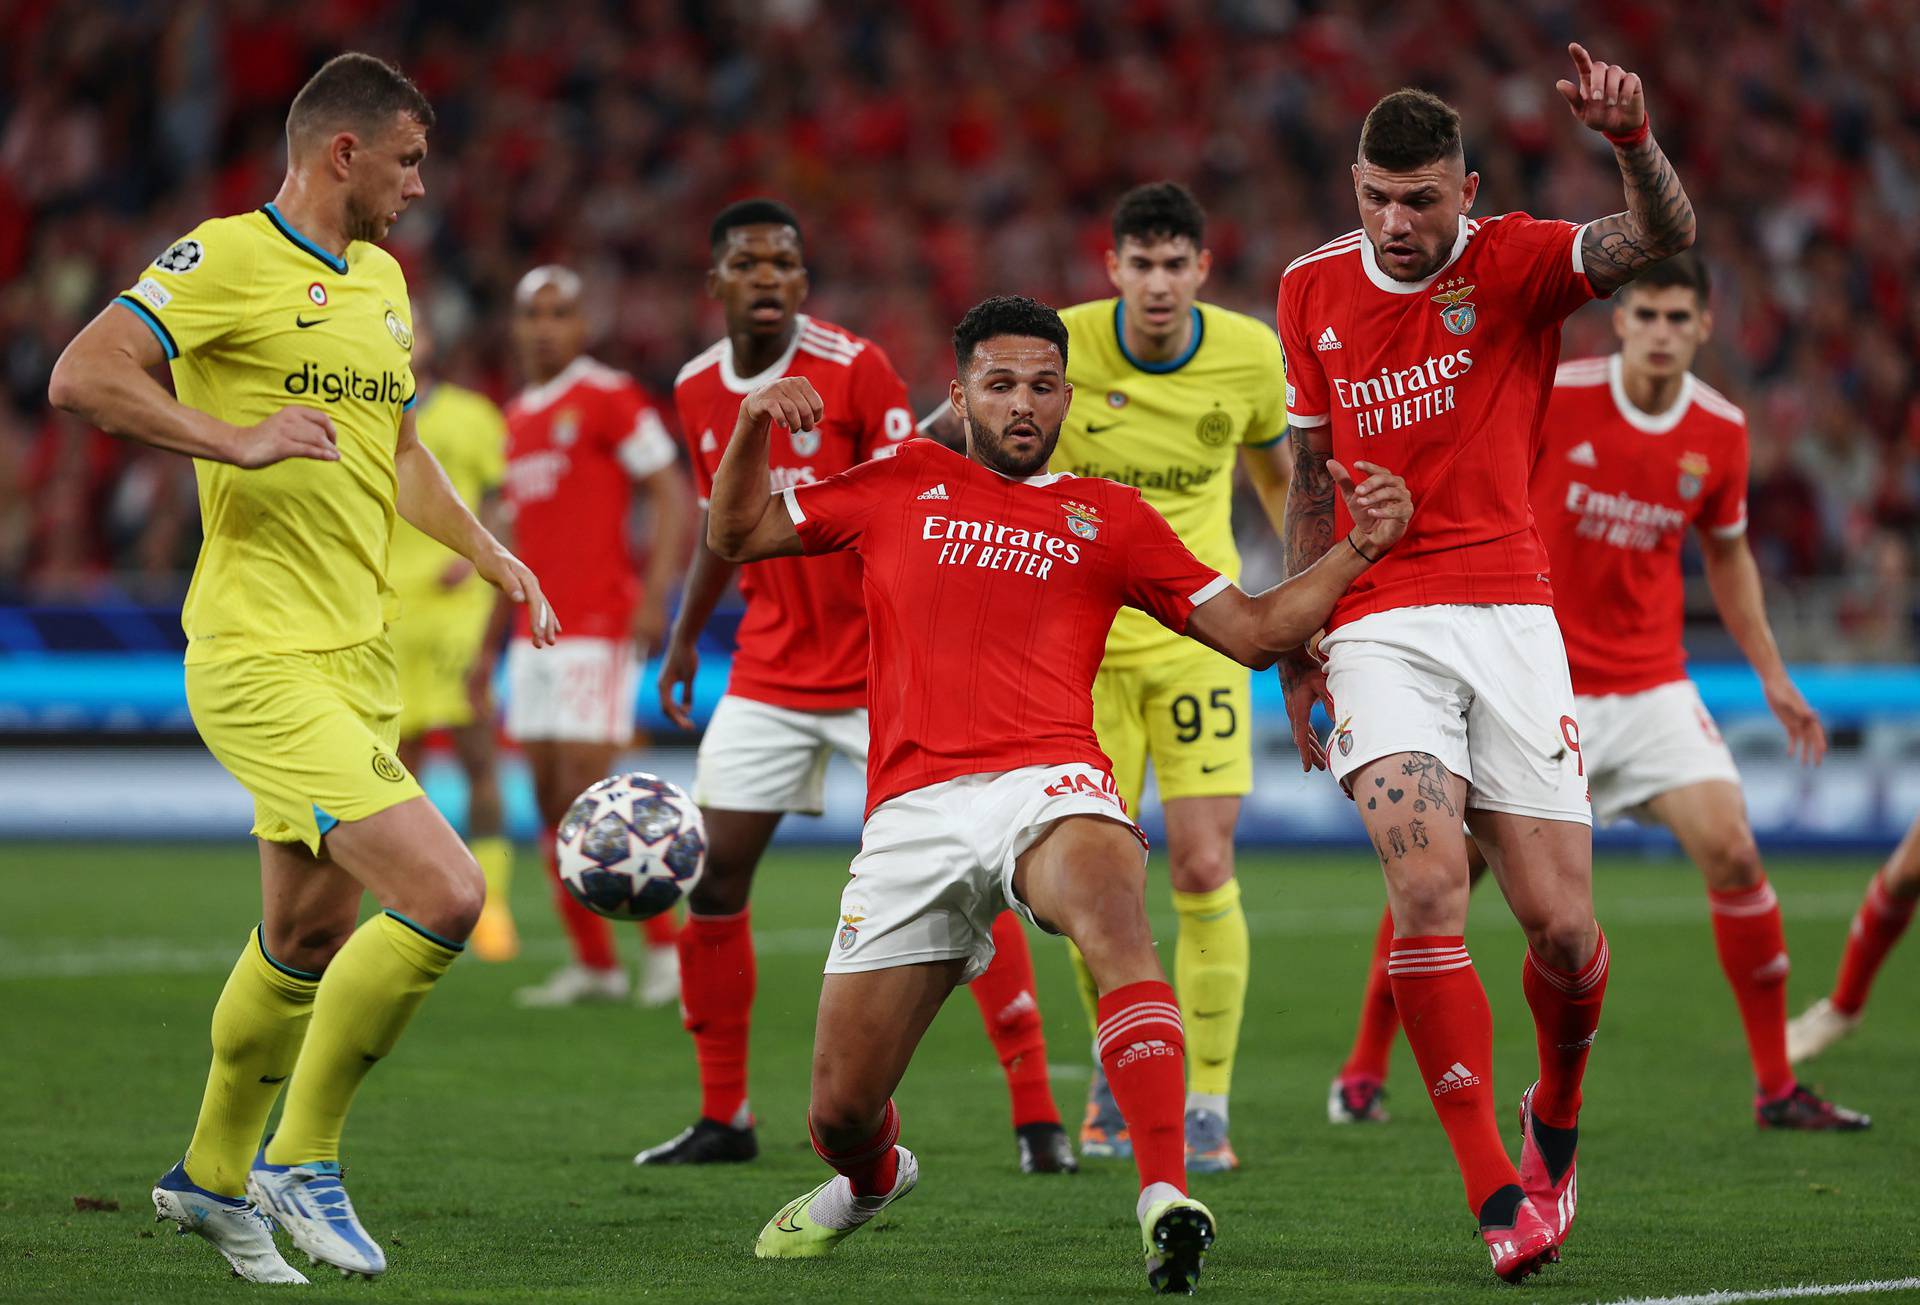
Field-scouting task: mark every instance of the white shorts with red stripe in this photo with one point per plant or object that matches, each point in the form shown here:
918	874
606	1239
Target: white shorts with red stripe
759	757
1640	745
577	691
936	864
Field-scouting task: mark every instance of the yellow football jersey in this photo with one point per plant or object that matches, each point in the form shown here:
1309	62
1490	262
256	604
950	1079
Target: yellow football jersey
255	317
469	437
1172	430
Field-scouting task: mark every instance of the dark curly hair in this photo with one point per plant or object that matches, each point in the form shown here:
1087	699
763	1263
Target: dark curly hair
1159	210
1008	315
752	213
1409	129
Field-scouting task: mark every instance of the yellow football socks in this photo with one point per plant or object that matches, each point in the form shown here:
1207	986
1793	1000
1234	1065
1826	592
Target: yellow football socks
494	937
258	1026
1210	974
1089	991
370	992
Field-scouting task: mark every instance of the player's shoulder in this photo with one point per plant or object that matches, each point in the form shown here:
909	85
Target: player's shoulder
469	403
1341	254
1240	333
370	258
819	341
1582	373
219	248
1091	315
1515	228
1716	406
706	363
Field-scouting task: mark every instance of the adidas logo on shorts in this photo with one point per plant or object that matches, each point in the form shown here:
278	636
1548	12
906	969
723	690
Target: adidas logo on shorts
1454	1079
938	492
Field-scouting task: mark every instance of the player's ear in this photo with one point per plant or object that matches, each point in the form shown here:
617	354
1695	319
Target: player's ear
1468	189
713	281
1113	268
806	283
341	147
1706	325
957	396
1204	264
1066	391
1620	302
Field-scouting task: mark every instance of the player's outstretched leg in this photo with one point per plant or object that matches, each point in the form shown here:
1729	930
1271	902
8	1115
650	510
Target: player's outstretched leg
1011	1013
411	861
1359	1091
718	979
1086	878
1883	916
870	1022
258	1027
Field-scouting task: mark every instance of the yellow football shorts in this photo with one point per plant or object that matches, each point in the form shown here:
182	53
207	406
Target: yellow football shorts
310	735
1189	712
435	640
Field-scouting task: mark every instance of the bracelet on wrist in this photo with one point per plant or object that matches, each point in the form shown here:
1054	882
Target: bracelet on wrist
1634	137
1363	552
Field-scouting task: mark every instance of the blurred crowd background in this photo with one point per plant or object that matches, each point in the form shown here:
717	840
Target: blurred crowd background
941	151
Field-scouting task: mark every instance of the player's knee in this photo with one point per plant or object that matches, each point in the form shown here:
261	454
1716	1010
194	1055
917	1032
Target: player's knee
723	888
1733	862
453	907
1563	939
308	945
1426	905
1201	869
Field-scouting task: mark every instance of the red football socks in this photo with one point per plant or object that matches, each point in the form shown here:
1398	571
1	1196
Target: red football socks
660	930
1566	1011
1753	952
1877	926
1444	1010
1144	1053
1012	1016
591	935
1379	1017
873	1166
717	982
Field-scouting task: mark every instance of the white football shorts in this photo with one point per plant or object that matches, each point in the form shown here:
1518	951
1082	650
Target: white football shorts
1640	745
577	691
759	757
935	865
1483	688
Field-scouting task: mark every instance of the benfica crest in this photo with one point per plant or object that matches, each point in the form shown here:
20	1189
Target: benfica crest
850	930
1457	314
1693	474
1082	521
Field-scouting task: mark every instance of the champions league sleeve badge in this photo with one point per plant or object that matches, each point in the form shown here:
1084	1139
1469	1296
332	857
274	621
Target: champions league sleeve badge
1457	314
1082	520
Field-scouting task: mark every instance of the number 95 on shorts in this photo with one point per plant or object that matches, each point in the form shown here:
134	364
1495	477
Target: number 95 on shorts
1189	713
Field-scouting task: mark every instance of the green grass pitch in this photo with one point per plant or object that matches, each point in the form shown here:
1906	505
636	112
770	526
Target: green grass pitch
491	1153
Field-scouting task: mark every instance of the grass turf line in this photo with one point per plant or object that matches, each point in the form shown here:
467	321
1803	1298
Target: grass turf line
491	1152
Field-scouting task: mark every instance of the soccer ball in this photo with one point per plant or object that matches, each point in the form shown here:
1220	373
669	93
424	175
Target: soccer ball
631	846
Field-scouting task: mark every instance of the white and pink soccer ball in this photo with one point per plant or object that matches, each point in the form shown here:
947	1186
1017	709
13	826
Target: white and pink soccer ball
632	846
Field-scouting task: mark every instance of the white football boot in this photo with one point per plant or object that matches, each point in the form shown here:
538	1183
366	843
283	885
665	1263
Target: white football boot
310	1204
234	1225
575	985
660	977
1817	1028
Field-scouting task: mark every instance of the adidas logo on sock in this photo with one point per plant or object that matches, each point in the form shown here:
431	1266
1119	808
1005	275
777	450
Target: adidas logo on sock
1454	1079
1328	340
938	491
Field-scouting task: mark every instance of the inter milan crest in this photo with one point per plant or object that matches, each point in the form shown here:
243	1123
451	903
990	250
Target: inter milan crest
1693	474
402	336
1214	429
1457	314
806	443
1082	521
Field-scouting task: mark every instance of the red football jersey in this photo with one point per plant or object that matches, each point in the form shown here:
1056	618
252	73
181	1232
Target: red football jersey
803	640
1443	381
1614	493
575	445
989	602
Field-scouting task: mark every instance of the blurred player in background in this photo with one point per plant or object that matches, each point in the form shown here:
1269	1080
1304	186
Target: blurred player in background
1883	916
443	611
1634	450
288	332
580	436
1173	393
990	587
798	688
1429	340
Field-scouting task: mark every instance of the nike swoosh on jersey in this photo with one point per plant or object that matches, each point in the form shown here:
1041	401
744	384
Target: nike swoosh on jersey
1095	430
303	323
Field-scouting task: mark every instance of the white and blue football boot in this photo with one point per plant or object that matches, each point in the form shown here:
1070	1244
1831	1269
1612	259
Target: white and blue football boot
233	1224
309	1202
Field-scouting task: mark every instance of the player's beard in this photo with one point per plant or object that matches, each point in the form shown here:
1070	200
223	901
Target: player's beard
991	451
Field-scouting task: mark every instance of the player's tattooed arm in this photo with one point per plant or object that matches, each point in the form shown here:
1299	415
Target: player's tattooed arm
1659	221
1306	534
943	425
743	522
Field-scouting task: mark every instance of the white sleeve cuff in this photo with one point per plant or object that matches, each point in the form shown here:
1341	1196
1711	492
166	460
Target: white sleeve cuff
1211	589
1733	531
1305	422
793	505
1579	238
